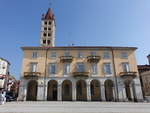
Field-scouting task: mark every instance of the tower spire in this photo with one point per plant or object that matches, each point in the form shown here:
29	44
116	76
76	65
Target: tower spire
50	4
48	29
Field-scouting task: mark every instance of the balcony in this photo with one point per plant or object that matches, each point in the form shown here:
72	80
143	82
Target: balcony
128	75
66	59
93	59
31	74
80	74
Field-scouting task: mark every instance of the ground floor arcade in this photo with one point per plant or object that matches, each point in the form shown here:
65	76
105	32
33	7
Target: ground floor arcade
80	89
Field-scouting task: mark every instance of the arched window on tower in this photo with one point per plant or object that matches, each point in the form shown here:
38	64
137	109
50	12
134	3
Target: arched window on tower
44	34
48	42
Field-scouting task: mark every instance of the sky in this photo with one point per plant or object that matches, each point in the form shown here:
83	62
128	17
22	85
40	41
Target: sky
79	22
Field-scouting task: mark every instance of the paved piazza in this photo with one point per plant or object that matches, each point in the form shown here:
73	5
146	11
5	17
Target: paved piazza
74	107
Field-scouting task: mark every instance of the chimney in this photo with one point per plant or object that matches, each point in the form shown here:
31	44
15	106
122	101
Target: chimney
148	58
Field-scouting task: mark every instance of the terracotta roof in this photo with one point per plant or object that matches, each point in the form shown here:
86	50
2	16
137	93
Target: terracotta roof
49	14
143	68
80	47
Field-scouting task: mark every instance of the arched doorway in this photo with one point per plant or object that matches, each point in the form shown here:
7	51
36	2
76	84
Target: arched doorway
52	90
81	90
32	90
129	86
95	90
109	90
67	90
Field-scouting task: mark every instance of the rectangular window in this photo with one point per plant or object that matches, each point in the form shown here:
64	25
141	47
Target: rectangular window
52	68
124	55
53	54
66	69
80	55
80	67
33	67
125	67
107	69
66	53
106	55
93	53
94	69
34	55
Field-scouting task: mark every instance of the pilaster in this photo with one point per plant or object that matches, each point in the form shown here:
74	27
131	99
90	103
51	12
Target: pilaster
74	91
59	90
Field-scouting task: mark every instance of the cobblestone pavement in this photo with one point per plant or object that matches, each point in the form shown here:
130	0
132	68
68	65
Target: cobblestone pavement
74	107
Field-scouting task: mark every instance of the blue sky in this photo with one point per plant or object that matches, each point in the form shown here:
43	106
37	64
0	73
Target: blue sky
82	22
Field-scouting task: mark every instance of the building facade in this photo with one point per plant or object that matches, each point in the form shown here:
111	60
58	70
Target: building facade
77	73
144	72
4	72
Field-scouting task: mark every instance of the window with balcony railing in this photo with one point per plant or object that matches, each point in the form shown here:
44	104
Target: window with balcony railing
80	67
107	69
94	69
52	68
66	69
125	67
33	67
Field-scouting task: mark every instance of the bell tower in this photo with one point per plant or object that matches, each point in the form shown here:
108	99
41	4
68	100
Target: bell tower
48	30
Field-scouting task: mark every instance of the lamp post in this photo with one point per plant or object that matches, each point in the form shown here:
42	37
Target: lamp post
45	73
116	82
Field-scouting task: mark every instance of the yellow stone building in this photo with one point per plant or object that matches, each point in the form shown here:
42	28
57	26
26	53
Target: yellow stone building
77	73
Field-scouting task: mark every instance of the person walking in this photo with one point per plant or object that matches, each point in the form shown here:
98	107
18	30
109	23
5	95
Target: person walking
2	97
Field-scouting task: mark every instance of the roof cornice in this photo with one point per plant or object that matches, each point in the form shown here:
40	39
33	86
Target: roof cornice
80	47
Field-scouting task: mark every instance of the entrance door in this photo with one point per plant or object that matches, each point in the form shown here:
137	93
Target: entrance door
67	90
95	90
32	91
109	90
81	90
52	90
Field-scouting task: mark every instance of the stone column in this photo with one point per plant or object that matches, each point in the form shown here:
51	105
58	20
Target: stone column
121	91
59	90
124	94
102	91
40	91
88	92
131	91
138	89
74	91
45	92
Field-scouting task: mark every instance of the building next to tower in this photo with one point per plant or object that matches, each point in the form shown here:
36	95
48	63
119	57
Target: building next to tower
77	73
